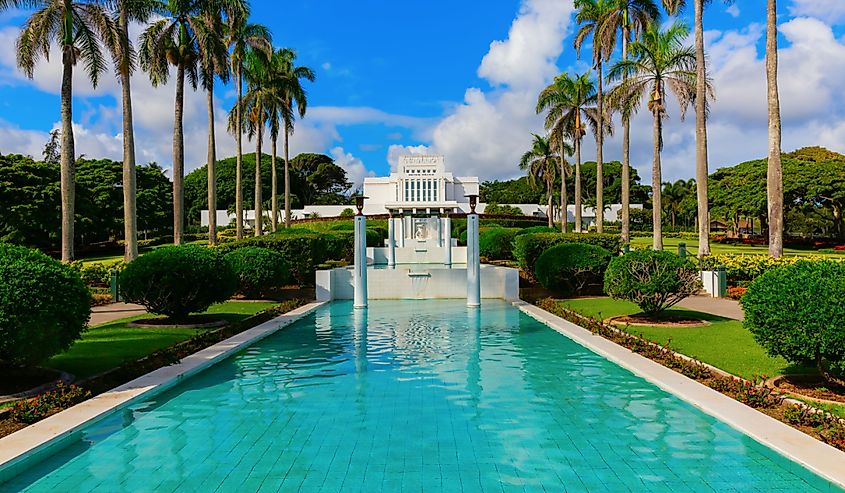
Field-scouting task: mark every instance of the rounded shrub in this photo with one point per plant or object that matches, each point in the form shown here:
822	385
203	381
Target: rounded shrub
497	243
653	280
178	280
44	306
572	268
259	270
797	312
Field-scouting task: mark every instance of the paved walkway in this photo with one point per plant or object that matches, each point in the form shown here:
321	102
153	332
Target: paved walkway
113	311
722	307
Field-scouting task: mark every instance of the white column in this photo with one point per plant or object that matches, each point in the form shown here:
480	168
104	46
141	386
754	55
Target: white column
447	237
473	263
402	231
391	241
359	276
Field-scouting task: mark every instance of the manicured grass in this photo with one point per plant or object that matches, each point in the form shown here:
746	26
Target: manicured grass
724	343
109	345
717	248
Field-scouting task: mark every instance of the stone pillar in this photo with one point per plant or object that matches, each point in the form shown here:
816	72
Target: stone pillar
402	230
473	263
439	231
391	241
447	239
359	276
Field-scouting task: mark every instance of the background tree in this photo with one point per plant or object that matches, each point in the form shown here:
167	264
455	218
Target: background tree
774	174
660	62
517	191
81	29
316	179
53	147
552	98
242	37
541	164
675	196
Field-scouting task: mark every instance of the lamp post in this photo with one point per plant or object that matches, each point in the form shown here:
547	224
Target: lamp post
359	278
473	258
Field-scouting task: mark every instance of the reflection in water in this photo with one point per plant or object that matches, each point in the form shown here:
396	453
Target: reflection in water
423	396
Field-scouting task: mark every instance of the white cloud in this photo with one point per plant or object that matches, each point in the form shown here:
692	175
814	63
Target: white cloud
832	11
355	169
396	150
733	10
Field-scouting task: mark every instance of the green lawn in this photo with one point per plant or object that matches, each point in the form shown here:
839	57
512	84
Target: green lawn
109	345
717	248
724	343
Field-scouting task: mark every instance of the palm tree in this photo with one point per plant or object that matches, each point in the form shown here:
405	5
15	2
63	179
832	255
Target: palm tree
774	172
674	195
541	163
660	62
214	62
564	149
630	18
570	102
79	27
242	37
591	15
261	97
291	91
125	59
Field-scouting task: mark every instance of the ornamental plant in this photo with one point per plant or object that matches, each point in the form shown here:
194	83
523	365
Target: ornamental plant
572	268
44	306
259	270
178	280
652	279
797	312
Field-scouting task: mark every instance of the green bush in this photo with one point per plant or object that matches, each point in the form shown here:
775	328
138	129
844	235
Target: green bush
528	247
798	312
348	212
44	306
259	270
178	280
653	280
537	229
572	268
496	243
493	208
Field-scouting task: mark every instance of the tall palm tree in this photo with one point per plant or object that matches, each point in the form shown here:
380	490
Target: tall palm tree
125	62
570	102
629	18
242	37
674	195
290	89
541	162
261	97
591	15
81	28
214	63
660	62
564	149
774	172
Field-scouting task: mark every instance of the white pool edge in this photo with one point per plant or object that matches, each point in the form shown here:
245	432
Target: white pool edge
43	435
812	454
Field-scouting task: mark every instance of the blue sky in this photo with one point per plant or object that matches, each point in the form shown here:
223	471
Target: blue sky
458	78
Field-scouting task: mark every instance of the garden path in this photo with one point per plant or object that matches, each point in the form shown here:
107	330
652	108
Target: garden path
113	311
722	307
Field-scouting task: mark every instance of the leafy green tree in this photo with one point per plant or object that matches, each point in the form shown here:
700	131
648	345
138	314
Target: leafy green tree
317	179
53	147
675	196
82	29
517	191
30	201
541	164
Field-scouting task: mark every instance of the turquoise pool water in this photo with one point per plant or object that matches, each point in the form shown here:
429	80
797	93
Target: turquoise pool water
415	396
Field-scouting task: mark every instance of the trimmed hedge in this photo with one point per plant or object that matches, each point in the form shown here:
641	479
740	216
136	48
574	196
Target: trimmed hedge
572	269
527	248
178	280
652	279
44	306
259	270
496	243
798	312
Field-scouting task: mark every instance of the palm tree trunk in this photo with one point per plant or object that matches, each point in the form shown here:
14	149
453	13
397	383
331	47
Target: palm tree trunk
287	178
274	202
563	217
656	203
130	219
68	164
212	169
178	158
239	193
626	158
701	171
774	173
577	185
259	223
600	154
550	196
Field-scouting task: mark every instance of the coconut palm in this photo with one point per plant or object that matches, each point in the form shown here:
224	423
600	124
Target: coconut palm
674	195
591	15
660	62
289	82
82	29
570	102
125	62
541	163
564	149
628	18
774	172
261	97
242	37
